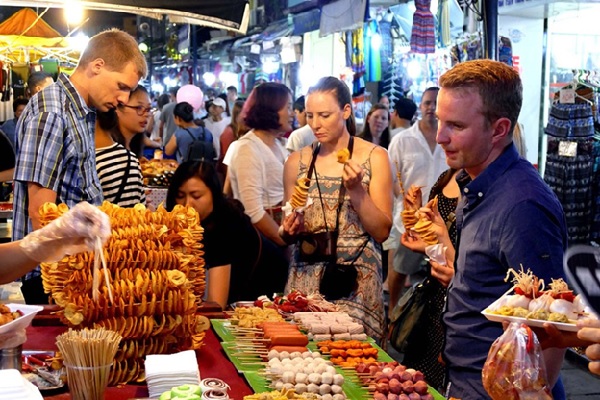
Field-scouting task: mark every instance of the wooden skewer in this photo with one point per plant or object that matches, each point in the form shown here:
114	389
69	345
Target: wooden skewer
239	328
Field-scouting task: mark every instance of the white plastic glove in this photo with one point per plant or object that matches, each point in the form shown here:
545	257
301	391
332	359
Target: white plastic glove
74	232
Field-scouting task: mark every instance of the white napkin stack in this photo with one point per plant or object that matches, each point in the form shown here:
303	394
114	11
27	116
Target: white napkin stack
14	386
165	371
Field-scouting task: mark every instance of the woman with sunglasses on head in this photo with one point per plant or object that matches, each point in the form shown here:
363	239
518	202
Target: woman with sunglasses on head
242	263
118	167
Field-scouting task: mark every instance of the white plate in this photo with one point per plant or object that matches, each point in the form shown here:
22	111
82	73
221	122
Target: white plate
531	322
24	320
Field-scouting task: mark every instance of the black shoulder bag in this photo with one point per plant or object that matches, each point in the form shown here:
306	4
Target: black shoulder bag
199	149
124	181
338	280
406	315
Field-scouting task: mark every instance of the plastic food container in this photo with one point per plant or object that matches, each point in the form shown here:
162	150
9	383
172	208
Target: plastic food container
24	320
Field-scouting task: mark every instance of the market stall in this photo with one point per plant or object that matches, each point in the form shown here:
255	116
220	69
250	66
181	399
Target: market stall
212	364
224	14
29	44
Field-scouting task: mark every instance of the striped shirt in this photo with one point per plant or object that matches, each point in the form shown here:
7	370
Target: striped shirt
55	142
111	163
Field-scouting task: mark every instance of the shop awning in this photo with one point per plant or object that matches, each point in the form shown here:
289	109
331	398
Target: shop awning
232	15
26	37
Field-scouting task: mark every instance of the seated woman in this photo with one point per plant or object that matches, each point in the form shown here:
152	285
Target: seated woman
242	263
187	132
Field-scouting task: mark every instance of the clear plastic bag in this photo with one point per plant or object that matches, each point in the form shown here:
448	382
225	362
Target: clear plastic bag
515	367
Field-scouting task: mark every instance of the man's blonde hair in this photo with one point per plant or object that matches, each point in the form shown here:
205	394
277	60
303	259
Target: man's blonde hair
498	85
117	49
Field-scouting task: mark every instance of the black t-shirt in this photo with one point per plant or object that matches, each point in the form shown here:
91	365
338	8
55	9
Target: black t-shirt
258	266
7	154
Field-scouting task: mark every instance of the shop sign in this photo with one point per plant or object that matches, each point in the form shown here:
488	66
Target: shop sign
307	21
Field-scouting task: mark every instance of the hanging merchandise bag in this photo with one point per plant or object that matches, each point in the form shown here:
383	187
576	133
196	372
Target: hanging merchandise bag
514	368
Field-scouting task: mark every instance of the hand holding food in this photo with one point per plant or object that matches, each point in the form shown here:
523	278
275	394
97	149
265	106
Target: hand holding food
431	213
73	232
590	330
353	175
292	225
443	273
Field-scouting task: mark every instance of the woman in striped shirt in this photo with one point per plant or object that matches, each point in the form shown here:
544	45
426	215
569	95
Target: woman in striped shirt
118	168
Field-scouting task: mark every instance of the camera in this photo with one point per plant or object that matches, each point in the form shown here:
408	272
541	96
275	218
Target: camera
318	247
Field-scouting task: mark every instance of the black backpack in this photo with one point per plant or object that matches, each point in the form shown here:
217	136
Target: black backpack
200	149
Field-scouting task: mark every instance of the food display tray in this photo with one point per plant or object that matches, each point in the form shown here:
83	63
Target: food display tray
24	320
242	364
252	367
221	328
539	323
45	387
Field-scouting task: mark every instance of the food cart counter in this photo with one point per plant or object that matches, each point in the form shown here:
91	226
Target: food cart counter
212	362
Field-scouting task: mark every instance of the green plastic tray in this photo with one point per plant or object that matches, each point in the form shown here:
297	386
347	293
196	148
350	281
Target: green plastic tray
221	328
245	363
251	365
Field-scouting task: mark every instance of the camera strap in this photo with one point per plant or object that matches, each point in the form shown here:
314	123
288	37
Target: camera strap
342	191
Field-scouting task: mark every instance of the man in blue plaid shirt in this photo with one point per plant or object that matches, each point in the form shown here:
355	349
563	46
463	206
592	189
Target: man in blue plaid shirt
55	135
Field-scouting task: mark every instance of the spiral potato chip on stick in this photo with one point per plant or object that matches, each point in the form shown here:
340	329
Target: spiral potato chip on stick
412	202
300	195
424	227
425	231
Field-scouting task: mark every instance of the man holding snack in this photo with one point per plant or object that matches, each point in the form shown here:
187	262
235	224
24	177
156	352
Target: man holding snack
506	216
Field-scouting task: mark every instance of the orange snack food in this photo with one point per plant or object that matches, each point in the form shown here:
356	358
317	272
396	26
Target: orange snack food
300	195
343	156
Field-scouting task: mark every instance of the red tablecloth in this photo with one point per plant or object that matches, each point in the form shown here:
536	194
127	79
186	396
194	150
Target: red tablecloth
212	361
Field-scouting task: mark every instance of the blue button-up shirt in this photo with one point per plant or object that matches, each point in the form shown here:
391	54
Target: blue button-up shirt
506	217
55	149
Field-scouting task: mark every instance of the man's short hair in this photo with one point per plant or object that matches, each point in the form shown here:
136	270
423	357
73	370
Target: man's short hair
232	88
19	102
117	49
299	104
498	85
37	78
405	108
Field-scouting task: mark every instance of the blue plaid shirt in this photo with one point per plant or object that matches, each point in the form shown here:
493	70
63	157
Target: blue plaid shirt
55	149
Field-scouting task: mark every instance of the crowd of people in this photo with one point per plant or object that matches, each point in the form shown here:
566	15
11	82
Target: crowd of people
237	170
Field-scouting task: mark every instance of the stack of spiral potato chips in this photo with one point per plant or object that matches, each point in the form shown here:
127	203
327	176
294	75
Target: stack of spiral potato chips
157	276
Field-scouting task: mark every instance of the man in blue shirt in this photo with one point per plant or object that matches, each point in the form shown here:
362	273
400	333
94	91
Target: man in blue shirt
10	125
55	135
506	216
